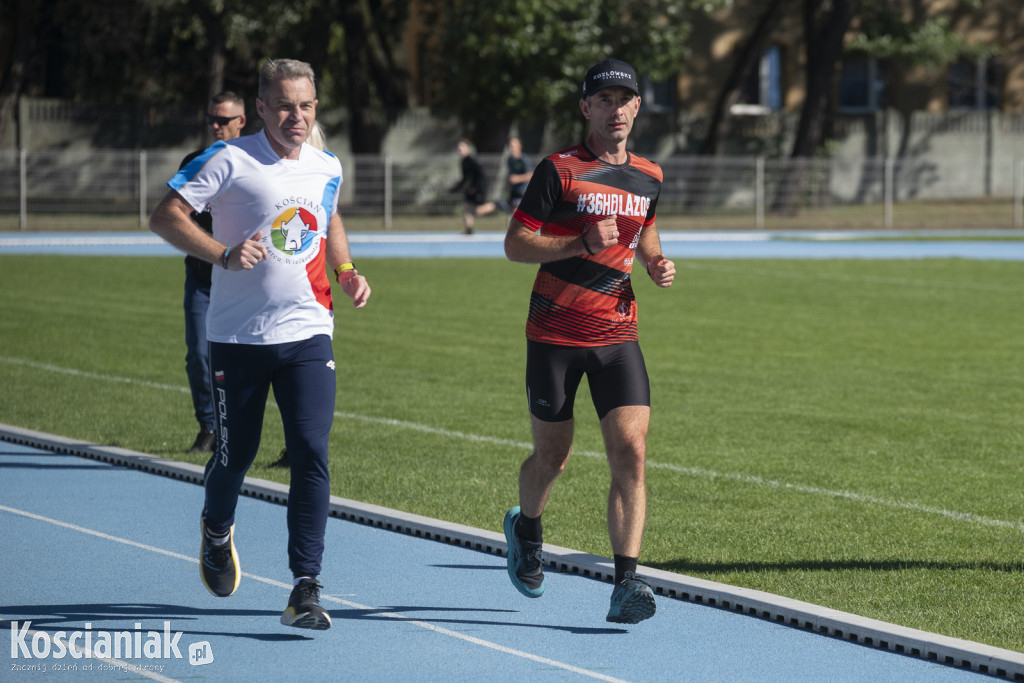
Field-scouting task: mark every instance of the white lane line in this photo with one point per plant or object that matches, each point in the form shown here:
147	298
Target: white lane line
711	474
846	495
91	375
82	240
287	586
74	527
968	517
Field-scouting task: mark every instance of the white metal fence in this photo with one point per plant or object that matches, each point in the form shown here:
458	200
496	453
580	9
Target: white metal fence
41	188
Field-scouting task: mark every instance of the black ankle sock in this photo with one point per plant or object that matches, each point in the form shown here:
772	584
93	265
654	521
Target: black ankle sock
622	565
529	528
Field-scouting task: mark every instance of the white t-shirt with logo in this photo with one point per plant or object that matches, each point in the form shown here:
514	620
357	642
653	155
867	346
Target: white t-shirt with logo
250	189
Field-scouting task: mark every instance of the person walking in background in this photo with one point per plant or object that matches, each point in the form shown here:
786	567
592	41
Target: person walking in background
225	118
276	230
473	186
587	217
520	170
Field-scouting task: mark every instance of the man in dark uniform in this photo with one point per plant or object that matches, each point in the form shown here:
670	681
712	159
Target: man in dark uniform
225	117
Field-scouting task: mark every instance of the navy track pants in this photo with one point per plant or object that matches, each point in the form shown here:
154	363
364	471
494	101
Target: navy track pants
303	378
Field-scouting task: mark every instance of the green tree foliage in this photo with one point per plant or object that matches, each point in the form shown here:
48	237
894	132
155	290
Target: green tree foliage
884	33
159	51
498	62
163	57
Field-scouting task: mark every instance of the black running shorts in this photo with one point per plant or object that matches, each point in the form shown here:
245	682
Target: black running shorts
616	374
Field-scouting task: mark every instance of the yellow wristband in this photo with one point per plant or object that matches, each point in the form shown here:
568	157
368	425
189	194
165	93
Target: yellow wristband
342	268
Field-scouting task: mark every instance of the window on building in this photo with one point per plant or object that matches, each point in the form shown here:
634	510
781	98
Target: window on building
658	96
975	84
762	90
862	85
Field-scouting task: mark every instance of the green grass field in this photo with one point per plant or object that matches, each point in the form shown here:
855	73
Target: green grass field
848	433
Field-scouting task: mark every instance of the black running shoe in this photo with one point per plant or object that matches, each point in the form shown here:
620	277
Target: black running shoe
282	460
632	601
524	560
304	610
218	565
205	441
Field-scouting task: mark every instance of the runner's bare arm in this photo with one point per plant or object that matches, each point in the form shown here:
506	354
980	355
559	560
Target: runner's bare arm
172	221
648	252
524	245
352	283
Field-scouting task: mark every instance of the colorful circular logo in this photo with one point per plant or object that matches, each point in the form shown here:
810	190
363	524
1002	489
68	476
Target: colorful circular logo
293	231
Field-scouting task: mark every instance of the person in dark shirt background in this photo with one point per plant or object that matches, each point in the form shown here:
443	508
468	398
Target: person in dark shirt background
520	170
474	186
225	118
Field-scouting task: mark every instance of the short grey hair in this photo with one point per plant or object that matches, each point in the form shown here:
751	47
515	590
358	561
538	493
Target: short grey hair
274	70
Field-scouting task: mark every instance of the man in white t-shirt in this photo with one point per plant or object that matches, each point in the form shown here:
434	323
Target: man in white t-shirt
276	231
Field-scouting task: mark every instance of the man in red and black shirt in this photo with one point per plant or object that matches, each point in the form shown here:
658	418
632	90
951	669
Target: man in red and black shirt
587	216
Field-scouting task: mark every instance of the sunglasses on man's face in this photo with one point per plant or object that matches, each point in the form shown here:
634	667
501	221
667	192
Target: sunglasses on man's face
219	120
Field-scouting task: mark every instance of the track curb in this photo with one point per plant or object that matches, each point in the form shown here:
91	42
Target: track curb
945	650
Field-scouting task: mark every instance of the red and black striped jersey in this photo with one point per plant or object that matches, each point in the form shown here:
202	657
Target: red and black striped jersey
588	300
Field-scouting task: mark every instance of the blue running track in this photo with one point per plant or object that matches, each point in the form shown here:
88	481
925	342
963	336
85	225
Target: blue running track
877	244
107	543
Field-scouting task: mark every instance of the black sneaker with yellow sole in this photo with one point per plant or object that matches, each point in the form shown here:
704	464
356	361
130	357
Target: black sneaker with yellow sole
205	441
304	610
218	564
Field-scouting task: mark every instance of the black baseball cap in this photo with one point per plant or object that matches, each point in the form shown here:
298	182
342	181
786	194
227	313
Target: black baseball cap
608	73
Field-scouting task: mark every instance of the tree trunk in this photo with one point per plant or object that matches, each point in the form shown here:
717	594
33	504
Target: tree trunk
824	47
748	58
217	60
365	132
371	71
391	80
824	41
700	179
14	78
213	22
